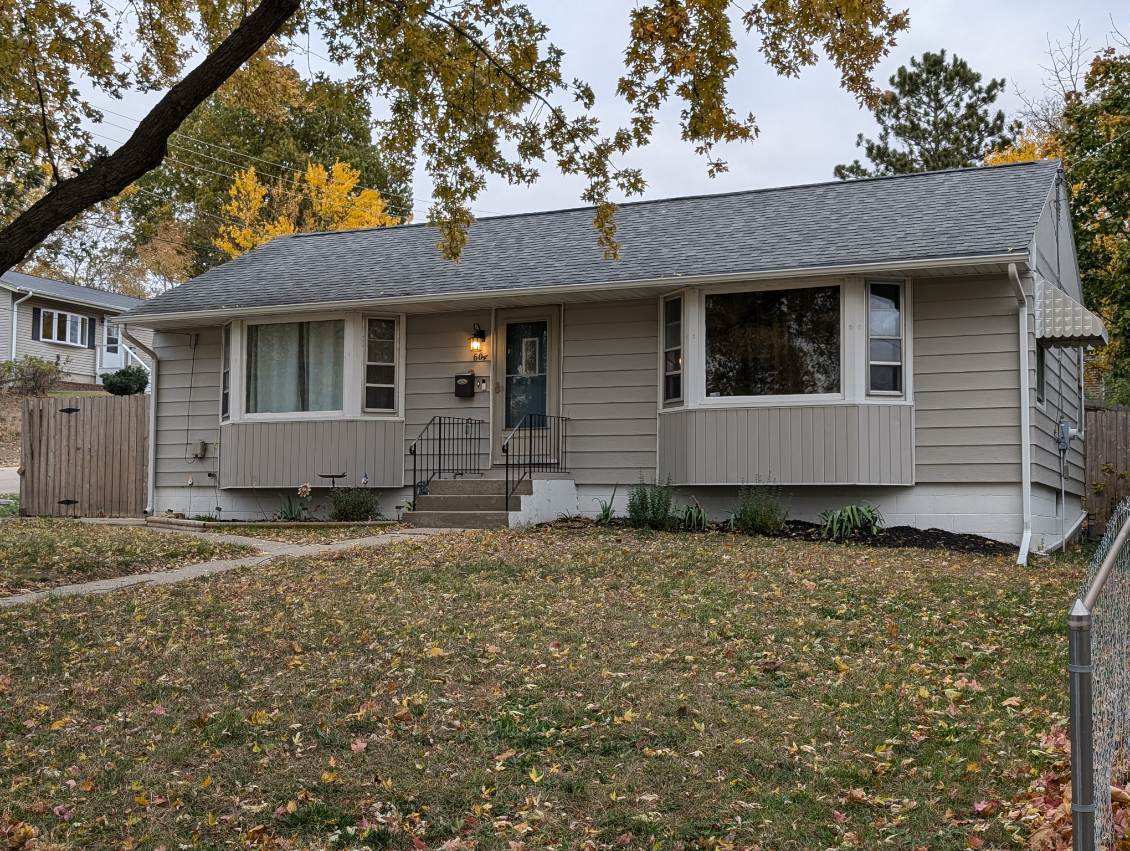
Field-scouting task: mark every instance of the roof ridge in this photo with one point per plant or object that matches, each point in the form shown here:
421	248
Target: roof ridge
694	197
99	290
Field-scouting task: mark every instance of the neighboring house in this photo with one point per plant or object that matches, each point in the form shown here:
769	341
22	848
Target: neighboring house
75	327
911	341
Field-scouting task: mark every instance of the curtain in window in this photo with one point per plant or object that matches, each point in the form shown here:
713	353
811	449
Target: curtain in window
295	366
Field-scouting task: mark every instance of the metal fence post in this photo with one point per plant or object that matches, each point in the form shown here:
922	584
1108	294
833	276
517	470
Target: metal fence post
1082	729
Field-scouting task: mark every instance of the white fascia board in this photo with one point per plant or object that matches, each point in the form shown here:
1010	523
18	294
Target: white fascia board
154	319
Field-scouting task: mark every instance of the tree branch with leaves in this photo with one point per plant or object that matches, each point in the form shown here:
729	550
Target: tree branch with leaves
472	89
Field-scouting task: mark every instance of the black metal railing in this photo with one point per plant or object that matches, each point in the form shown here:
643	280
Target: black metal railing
447	446
539	443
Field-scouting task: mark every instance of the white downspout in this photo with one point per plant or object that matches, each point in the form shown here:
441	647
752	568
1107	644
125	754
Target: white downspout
15	305
1025	415
152	471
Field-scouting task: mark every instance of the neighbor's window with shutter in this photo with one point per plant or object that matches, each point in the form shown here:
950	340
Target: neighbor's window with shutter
673	349
884	339
69	329
380	364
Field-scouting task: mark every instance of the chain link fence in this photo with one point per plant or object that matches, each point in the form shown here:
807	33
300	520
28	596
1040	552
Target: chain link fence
1100	686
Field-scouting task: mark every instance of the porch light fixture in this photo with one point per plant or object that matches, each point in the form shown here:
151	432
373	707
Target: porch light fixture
475	342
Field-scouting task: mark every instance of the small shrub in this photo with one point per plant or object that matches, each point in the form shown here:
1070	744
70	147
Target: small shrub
606	511
650	506
127	381
354	505
294	506
30	376
694	518
852	521
760	510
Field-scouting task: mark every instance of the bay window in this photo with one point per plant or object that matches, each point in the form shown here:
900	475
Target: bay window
780	342
673	349
295	366
884	339
380	364
225	375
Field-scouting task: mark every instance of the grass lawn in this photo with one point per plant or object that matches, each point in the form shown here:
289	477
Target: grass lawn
40	553
308	535
548	687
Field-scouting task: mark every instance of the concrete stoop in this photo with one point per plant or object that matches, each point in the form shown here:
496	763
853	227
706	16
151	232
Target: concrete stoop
482	504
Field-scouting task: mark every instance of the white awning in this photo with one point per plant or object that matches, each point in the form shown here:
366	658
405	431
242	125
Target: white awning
1062	321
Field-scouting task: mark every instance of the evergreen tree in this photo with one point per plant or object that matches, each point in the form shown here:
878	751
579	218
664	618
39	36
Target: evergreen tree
936	115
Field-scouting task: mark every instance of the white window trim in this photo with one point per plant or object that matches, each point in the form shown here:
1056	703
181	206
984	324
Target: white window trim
867	362
353	371
699	360
680	401
853	348
227	349
397	366
84	322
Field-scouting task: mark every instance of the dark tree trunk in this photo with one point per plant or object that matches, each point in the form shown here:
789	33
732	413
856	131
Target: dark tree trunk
145	149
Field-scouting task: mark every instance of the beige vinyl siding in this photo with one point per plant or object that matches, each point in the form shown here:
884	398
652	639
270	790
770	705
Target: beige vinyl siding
288	454
1061	403
188	406
5	325
436	351
966	391
1053	246
609	389
78	363
865	444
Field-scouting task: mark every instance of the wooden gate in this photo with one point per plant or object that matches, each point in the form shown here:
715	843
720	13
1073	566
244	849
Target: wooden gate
85	456
1108	463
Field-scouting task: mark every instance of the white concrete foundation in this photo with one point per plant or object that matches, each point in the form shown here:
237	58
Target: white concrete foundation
256	504
551	500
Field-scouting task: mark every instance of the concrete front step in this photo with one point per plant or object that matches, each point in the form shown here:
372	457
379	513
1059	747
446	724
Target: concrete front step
468	487
467	502
457	519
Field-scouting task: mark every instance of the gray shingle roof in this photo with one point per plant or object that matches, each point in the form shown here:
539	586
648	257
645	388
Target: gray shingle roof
958	213
61	291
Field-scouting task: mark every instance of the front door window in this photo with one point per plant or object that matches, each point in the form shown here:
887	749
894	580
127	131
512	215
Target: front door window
527	370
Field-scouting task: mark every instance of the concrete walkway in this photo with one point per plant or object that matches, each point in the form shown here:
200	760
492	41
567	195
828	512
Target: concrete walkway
267	550
9	480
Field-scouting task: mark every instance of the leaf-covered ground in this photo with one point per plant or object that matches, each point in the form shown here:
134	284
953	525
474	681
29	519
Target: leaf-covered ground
594	688
40	553
309	534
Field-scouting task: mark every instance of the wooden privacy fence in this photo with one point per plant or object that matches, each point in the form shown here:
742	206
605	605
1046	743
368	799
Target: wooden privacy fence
85	456
1108	463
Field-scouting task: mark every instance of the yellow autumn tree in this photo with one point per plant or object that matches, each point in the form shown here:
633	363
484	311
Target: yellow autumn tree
320	199
1029	146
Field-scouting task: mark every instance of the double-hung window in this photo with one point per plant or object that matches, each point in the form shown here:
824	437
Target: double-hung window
781	342
673	349
885	339
113	339
294	367
58	326
225	375
380	364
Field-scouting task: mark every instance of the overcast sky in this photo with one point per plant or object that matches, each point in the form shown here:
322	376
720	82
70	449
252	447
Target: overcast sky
808	125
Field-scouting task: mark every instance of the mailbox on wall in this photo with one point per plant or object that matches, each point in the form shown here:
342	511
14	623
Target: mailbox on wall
465	385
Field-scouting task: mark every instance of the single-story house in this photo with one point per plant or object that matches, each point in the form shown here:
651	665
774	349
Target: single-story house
910	341
75	327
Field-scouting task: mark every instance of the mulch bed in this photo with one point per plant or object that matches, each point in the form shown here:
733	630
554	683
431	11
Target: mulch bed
891	537
908	536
